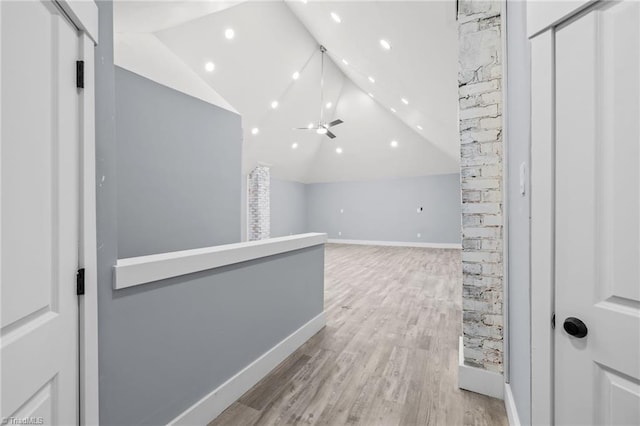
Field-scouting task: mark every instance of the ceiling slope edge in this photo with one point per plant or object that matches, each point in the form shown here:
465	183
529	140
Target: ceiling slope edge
146	55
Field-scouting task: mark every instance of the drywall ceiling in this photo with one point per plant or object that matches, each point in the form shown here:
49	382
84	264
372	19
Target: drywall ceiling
272	40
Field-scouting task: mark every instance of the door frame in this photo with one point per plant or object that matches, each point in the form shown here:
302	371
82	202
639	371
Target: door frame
542	20
84	15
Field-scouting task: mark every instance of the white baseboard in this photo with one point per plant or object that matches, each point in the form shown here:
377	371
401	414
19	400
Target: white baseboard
210	407
395	243
510	404
478	380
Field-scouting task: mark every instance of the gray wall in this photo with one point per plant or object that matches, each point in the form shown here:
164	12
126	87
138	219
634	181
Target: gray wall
386	210
168	344
518	147
165	345
106	201
179	162
288	208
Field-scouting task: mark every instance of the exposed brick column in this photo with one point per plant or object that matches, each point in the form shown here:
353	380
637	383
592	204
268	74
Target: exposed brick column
258	203
481	168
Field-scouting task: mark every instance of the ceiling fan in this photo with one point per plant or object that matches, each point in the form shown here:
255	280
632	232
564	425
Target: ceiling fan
322	128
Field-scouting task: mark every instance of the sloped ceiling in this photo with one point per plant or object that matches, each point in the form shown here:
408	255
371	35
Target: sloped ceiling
274	39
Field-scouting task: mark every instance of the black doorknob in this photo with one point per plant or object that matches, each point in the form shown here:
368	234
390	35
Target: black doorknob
575	327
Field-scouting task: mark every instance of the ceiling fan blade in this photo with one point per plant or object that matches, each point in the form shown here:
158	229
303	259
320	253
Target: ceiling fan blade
335	123
331	135
304	128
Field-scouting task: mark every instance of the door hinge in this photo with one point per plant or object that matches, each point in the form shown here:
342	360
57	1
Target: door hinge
80	74
553	321
80	282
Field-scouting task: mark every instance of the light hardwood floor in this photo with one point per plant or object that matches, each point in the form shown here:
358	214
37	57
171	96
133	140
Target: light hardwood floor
388	355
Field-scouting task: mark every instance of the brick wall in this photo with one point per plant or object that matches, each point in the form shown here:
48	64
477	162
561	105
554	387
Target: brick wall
481	168
258	191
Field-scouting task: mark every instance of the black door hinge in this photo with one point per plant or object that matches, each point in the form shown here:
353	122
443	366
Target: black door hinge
80	282
553	321
80	74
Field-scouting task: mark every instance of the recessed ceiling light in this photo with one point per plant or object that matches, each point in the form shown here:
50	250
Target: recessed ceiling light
294	145
321	131
385	44
393	110
336	17
339	150
404	101
310	126
329	105
371	79
255	131
344	61
394	144
209	66
296	75
229	33
370	94
274	104
419	127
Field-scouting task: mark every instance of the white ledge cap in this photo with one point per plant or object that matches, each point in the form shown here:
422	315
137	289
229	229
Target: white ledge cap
145	269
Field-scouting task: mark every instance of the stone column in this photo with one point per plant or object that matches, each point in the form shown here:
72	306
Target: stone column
481	170
258	188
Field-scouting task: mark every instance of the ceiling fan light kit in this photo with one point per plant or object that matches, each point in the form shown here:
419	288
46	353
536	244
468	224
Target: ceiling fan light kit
322	128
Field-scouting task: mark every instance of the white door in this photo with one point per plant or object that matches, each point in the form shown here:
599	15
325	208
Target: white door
597	376
39	214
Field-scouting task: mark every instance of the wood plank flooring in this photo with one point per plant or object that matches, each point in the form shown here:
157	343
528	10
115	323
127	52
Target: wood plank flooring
388	355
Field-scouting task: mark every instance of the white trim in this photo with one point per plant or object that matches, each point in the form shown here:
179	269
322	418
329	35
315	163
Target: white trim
544	14
542	225
84	14
88	304
510	405
395	243
478	380
145	269
209	407
505	193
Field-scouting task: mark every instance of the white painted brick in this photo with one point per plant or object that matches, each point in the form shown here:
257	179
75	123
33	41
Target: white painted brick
467	172
481	168
493	344
475	183
491	148
469	102
481	233
483	135
491	123
478	88
471	268
479	208
469	124
491	245
481	160
492	196
471	220
492	171
480	256
493	319
494	269
492	220
486	111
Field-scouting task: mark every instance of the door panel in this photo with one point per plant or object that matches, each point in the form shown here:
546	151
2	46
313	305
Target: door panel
597	377
40	213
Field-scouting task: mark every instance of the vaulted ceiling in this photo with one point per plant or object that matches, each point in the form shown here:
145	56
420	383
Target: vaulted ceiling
381	137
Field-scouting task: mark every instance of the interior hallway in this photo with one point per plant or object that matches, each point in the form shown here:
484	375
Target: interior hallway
388	355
